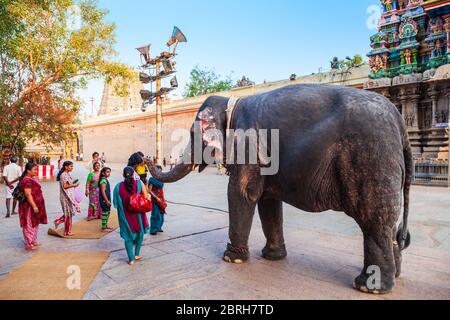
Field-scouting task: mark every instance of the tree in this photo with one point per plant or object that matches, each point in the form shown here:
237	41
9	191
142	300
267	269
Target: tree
204	81
44	60
348	63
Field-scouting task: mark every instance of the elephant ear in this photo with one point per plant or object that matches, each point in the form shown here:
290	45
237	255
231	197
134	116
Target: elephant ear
207	122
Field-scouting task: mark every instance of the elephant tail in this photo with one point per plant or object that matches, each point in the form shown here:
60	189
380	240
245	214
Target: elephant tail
403	235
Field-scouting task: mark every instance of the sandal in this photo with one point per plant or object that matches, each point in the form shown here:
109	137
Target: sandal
137	258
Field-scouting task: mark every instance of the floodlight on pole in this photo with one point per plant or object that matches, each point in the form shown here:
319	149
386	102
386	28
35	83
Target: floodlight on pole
169	66
174	82
146	94
144	78
145	53
177	37
164	60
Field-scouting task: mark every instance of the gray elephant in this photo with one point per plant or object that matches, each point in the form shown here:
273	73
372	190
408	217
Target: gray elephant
340	149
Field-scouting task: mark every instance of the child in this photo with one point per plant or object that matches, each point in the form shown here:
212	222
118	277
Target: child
155	188
105	198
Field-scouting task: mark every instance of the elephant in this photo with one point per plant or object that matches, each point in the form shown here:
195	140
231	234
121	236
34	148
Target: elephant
340	148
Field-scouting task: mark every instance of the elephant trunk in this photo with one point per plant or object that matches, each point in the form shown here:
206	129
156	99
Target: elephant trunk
177	173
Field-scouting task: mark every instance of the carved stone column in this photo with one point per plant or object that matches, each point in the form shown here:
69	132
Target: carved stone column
448	108
409	100
409	97
433	92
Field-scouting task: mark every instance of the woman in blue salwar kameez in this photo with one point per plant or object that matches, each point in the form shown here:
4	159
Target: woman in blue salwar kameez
133	225
155	188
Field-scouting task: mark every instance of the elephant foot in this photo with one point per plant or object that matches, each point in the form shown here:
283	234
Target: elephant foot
364	284
274	254
236	255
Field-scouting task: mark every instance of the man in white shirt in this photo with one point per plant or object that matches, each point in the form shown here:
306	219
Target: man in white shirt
11	176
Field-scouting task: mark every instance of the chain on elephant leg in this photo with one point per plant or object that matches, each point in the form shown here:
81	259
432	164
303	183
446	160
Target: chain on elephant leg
244	190
236	255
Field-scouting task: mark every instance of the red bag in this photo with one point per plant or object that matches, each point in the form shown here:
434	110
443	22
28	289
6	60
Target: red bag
141	204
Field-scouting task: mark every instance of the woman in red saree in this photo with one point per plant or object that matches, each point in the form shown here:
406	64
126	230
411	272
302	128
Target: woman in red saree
32	211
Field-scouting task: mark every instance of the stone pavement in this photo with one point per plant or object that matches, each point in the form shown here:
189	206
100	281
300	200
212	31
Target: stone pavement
325	251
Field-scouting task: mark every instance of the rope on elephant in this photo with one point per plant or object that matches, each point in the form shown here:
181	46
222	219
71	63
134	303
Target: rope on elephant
196	206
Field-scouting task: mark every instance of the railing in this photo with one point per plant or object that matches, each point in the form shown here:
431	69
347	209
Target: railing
435	174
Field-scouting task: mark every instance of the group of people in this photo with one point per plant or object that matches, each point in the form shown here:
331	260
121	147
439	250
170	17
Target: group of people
133	225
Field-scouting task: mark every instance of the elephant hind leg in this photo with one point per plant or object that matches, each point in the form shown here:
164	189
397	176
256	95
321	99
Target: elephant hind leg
271	215
378	274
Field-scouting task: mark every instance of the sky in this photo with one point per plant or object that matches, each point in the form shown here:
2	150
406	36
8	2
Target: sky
261	39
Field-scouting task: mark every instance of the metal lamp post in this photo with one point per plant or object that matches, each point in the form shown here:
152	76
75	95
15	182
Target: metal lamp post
164	60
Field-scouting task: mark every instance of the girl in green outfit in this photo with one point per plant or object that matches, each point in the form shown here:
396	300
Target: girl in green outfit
105	198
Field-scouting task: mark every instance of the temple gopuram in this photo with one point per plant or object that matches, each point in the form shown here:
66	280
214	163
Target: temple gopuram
409	64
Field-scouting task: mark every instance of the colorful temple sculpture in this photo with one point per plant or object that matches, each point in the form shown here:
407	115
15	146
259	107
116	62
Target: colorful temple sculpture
410	64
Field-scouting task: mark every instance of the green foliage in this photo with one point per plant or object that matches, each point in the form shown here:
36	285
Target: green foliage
45	59
204	81
347	63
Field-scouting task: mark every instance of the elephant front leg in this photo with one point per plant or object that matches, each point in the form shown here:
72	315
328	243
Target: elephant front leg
241	218
271	215
244	191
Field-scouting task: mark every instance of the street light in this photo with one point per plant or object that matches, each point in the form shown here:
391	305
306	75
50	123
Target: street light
166	60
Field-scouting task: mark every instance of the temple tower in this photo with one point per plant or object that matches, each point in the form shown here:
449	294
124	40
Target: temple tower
112	103
409	64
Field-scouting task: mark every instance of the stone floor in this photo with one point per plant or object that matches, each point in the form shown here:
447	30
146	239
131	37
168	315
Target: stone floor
325	250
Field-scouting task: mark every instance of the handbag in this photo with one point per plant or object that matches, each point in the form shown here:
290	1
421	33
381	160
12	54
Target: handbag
19	195
139	203
78	195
